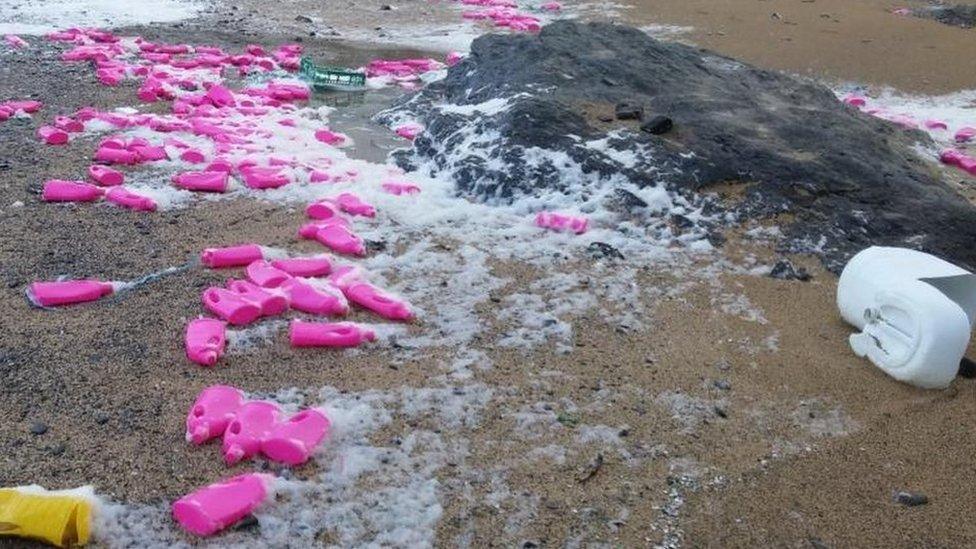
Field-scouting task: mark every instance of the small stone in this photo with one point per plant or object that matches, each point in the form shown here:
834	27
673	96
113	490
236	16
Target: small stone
605	118
38	428
784	270
910	499
608	81
722	384
101	418
530	544
628	111
603	250
723	365
303	19
657	125
720	412
386	7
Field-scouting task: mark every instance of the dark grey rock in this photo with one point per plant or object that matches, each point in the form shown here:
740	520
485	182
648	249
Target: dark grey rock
849	180
960	15
722	384
785	270
602	250
911	499
626	110
303	19
657	125
101	418
38	428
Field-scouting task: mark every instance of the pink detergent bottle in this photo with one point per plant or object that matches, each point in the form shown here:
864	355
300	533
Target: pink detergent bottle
370	297
305	267
965	135
319	334
265	275
128	199
230	306
210	181
232	256
193	156
213	508
270	302
105	176
52	135
561	222
351	204
329	137
205	340
257	177
292	442
57	190
251	425
212	412
116	156
319	300
68	292
335	235
323	209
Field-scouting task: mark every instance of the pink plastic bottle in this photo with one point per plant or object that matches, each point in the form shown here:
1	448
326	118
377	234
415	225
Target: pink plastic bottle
351	204
292	442
263	274
319	300
319	334
113	155
370	297
323	209
57	190
453	58
231	256
213	508
561	222
210	181
398	189
220	96
251	425
304	266
68	124
149	153
409	131
128	199
67	292
230	306
15	41
52	135
270	302
965	135
193	156
205	340
264	178
329	137
336	236
105	176
934	124
212	412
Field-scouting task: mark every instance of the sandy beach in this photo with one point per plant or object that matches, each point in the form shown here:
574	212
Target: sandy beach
547	395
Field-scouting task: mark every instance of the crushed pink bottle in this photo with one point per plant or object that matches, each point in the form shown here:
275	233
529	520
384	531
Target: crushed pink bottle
230	306
370	297
319	299
330	137
128	199
270	302
68	124
292	442
965	135
105	176
409	131
209	181
319	334
265	275
52	135
205	340
57	190
231	256
211	413
68	292
305	267
351	204
213	508
323	209
257	177
561	222
251	425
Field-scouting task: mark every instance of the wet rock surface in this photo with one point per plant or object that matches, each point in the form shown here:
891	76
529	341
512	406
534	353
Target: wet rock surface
510	120
959	15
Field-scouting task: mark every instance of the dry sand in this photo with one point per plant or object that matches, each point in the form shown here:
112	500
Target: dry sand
705	428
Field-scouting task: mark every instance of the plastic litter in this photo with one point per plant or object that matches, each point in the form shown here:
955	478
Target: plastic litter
251	425
214	409
561	222
374	299
323	209
317	299
399	188
336	235
304	266
128	199
61	518
231	256
52	135
68	292
57	190
15	41
409	131
217	506
205	340
331	78
352	205
292	442
319	334
230	306
915	311
105	176
270	302
208	181
965	135
265	275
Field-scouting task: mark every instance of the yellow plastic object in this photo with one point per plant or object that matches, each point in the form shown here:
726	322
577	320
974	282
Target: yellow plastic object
60	518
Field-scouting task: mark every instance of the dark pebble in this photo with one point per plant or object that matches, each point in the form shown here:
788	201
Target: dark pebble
967	368
720	412
628	111
38	428
101	418
722	384
657	125
911	499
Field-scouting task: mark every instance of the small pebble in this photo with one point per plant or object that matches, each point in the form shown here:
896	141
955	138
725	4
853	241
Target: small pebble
38	428
911	499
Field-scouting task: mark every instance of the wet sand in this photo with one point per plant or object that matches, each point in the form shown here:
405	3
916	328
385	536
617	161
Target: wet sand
705	428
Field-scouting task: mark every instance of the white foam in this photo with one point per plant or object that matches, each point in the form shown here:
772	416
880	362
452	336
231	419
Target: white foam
40	17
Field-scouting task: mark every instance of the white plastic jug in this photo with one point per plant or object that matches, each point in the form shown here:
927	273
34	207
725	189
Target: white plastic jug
915	311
